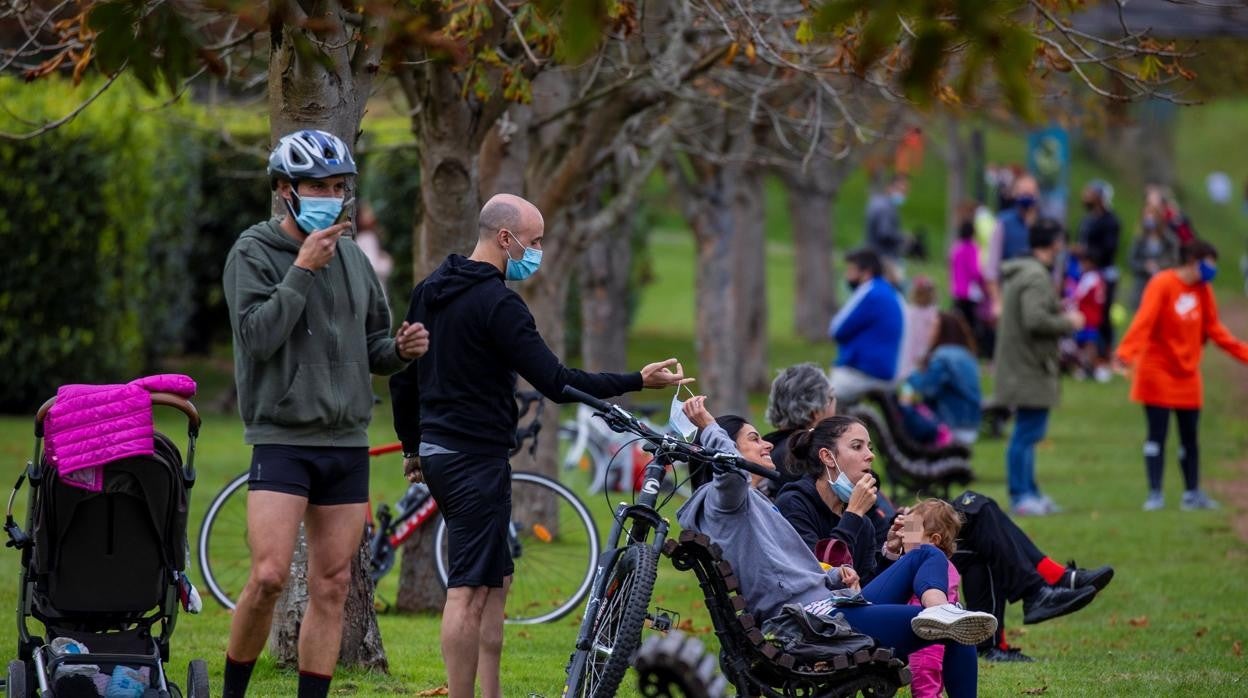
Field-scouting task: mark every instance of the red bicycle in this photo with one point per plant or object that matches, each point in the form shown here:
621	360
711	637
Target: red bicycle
553	538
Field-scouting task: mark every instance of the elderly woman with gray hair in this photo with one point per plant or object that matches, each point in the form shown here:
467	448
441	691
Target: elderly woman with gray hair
800	397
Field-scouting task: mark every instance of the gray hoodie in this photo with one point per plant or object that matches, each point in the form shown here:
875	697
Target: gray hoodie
772	562
305	342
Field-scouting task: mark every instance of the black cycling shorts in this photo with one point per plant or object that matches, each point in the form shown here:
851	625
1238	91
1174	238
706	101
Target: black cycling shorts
324	475
474	496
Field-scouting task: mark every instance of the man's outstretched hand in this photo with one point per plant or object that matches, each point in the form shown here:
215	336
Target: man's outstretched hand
661	375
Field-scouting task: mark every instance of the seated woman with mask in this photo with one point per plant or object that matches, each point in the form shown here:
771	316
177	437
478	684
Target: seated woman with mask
835	499
775	568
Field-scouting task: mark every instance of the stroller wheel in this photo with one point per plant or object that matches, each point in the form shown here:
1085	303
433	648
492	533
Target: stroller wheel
197	679
15	686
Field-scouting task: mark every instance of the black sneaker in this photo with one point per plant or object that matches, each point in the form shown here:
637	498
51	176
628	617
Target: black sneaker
1010	654
1075	577
1049	602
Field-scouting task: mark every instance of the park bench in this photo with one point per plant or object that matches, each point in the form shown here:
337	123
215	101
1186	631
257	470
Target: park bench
916	468
758	668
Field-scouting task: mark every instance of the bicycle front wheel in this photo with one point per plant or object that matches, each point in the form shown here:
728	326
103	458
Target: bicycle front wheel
224	554
554	545
616	631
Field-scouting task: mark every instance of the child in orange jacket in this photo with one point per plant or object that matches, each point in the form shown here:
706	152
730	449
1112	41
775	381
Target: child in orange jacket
1163	347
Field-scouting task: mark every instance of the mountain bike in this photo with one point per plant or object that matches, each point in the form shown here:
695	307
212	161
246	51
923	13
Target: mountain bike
619	601
553	539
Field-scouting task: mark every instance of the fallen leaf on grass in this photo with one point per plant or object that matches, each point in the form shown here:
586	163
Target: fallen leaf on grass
1141	622
1237	649
1038	691
685	625
1200	632
439	691
524	634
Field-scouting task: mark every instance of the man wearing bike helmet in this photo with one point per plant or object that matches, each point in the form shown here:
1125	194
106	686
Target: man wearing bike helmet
455	412
310	325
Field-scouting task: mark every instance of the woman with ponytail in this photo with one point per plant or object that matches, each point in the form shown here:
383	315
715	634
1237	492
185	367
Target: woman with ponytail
775	567
835	494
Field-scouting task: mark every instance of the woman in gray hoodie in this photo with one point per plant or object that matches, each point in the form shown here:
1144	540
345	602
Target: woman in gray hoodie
776	568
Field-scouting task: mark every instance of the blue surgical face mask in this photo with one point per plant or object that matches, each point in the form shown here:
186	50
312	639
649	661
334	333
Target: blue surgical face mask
1207	271
519	270
315	212
1025	202
898	198
841	486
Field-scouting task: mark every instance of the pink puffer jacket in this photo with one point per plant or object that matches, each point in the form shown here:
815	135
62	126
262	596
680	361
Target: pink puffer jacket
91	425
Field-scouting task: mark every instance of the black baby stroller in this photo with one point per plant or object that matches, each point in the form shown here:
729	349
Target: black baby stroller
104	569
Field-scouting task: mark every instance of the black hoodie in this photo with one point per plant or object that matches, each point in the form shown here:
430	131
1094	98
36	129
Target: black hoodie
460	395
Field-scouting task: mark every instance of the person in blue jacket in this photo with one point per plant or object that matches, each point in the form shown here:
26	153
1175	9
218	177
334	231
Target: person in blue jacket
868	330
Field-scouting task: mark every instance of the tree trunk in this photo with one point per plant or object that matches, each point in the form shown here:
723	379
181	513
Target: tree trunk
814	298
719	351
605	271
419	587
361	644
750	255
328	95
956	189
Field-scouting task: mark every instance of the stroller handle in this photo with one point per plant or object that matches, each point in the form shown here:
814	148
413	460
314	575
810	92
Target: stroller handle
158	399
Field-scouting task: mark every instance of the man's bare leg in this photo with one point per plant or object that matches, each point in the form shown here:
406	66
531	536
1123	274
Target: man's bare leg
461	634
333	540
273	520
490	652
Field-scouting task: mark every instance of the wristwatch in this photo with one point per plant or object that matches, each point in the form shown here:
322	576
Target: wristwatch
407	455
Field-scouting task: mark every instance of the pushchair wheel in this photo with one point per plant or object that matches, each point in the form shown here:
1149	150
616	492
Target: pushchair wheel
15	685
197	679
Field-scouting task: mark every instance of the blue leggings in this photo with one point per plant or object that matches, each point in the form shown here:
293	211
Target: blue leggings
887	620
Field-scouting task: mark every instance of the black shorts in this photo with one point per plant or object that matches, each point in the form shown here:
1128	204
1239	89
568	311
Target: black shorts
324	475
474	496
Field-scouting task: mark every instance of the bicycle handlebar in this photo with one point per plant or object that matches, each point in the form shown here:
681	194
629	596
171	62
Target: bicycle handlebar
621	421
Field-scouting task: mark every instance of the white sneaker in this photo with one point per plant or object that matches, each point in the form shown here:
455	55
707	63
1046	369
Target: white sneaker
1029	506
949	622
1155	502
1197	499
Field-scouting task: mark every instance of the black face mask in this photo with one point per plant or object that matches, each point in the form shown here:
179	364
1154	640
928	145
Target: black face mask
853	284
1089	205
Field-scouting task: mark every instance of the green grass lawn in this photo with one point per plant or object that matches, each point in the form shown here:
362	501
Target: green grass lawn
1172	623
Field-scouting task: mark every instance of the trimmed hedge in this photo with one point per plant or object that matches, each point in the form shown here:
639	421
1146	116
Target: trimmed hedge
102	223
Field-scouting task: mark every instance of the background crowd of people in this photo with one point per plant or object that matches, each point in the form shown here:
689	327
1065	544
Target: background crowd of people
1035	301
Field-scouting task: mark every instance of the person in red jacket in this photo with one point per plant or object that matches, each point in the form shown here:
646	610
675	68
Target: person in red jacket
1163	348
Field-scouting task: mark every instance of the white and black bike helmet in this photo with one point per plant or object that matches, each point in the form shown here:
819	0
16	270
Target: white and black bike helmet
309	154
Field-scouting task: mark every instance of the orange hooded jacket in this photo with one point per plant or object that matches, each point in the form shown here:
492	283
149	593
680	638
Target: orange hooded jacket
1164	344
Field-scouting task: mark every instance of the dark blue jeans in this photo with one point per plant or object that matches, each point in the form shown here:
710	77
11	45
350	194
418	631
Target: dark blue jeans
887	620
889	626
1030	425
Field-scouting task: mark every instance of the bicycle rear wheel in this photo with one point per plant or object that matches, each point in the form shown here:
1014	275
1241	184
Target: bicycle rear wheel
224	554
554	544
616	631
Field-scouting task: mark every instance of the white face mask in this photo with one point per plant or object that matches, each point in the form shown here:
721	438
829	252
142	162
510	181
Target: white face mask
677	421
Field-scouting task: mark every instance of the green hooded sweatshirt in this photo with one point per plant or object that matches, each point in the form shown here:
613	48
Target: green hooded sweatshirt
1025	370
305	342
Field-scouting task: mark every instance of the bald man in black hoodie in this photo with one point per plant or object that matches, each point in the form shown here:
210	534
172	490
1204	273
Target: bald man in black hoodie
455	413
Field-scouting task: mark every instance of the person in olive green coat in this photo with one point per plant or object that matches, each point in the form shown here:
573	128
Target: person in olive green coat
1025	361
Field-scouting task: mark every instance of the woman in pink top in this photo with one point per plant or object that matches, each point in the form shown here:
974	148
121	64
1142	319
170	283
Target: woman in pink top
965	274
